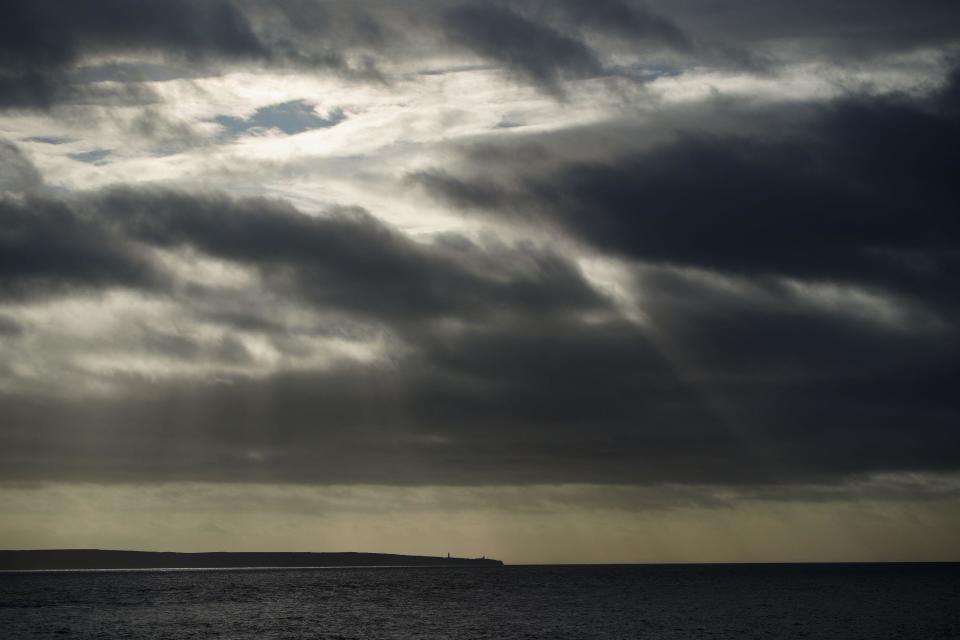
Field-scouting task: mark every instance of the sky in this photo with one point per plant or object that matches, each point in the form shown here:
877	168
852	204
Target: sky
558	281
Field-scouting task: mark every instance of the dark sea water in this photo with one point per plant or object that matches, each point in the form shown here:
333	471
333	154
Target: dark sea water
919	602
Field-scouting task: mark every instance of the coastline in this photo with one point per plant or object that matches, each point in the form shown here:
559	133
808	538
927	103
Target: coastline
105	559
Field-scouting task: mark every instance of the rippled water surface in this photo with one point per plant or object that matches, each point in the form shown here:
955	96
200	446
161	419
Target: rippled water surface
758	601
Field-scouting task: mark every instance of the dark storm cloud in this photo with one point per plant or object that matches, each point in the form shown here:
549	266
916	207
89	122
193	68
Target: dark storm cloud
513	369
47	247
546	43
475	193
369	25
798	290
50	35
795	273
536	51
27	90
346	260
758	386
537	42
629	20
761	387
44	44
865	194
821	27
512	402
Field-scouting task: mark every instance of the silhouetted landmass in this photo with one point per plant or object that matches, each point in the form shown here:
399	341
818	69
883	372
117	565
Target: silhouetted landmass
104	559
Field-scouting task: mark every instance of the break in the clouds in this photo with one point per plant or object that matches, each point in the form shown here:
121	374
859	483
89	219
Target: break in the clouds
617	257
289	117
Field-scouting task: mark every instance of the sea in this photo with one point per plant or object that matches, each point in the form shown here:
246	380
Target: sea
830	601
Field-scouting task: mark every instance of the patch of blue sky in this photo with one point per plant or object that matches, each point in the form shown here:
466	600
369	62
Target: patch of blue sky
92	157
49	140
291	117
644	72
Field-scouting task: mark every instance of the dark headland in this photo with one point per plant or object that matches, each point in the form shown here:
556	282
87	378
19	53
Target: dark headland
104	559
